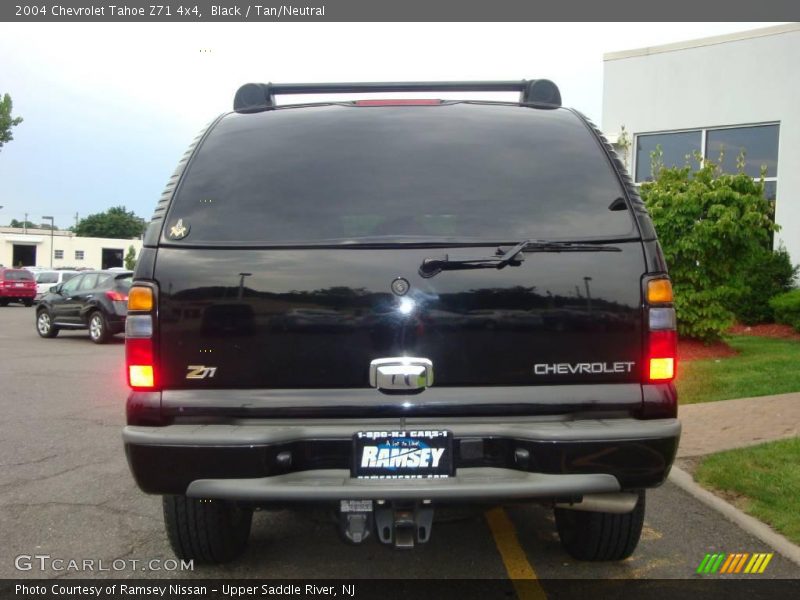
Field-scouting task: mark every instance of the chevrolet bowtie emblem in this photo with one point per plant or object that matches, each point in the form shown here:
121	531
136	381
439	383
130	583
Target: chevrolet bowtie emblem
179	230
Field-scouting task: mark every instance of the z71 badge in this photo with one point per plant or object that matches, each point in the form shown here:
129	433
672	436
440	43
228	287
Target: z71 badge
200	372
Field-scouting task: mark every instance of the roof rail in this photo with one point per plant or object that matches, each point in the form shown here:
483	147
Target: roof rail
257	97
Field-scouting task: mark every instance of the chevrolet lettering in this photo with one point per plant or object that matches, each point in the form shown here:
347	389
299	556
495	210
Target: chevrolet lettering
582	368
408	304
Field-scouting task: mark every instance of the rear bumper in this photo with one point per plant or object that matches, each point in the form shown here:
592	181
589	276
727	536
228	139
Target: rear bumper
20	294
495	459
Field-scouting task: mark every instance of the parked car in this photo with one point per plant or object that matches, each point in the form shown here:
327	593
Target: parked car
500	244
47	279
93	300
17	285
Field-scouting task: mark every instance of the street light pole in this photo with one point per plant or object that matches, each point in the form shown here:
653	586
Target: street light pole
52	226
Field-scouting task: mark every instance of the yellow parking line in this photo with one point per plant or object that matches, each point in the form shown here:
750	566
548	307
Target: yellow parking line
519	570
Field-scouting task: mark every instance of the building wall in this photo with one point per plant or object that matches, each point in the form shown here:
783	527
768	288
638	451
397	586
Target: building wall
66	241
738	79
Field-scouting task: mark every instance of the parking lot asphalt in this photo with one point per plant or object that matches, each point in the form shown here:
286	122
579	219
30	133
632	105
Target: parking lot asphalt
65	492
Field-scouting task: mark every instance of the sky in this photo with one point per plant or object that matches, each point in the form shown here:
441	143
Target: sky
109	108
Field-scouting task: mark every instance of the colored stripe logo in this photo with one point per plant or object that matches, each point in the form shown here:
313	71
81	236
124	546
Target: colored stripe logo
736	563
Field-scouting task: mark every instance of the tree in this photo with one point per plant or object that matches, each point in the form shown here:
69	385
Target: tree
6	120
130	258
22	224
710	226
114	223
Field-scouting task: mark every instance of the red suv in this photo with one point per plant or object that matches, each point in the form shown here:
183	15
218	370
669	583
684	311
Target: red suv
17	285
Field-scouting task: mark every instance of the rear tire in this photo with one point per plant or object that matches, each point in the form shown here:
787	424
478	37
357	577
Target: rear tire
4	302
44	324
598	536
98	328
206	531
28	303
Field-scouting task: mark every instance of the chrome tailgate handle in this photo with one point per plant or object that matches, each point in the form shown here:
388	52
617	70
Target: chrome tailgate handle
401	373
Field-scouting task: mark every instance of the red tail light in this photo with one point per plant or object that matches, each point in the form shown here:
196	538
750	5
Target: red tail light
139	357
661	348
662	356
140	354
116	296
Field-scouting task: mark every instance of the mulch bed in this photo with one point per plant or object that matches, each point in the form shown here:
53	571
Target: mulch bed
771	330
694	350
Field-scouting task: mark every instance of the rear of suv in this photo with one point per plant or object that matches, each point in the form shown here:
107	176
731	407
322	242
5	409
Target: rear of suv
17	285
93	300
388	306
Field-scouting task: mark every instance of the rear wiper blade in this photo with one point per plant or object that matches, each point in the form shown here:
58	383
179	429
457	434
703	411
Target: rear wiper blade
432	266
514	257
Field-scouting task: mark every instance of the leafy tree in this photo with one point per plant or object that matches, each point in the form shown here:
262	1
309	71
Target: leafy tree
116	222
710	226
130	258
765	274
6	120
21	224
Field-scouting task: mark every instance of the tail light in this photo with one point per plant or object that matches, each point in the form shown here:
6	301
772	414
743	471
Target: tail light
661	354
116	296
140	358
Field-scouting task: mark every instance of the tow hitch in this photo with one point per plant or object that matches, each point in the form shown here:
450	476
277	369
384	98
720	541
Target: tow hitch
401	524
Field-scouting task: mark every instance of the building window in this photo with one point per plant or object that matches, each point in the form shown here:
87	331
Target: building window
58	254
78	254
759	143
677	150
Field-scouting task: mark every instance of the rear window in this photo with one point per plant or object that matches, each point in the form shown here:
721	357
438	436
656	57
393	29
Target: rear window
346	174
124	283
47	277
20	275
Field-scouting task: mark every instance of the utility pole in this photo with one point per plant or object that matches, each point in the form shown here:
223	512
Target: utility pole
25	224
76	219
52	226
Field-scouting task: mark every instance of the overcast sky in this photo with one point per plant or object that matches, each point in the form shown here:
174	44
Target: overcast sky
110	108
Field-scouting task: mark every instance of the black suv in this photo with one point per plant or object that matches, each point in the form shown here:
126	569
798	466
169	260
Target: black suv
391	305
93	300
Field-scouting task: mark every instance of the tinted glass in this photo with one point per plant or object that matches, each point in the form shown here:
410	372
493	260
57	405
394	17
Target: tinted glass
89	281
104	281
124	283
68	276
343	173
47	277
759	144
676	147
72	285
18	276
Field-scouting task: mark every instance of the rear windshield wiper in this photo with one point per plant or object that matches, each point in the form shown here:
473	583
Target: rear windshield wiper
513	257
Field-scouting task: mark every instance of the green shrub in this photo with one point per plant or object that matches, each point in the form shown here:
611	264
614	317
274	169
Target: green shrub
710	225
787	308
765	275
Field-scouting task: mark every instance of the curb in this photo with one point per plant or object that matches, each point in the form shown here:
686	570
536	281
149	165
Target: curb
750	524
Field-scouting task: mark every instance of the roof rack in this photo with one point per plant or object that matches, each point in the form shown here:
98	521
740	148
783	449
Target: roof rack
257	97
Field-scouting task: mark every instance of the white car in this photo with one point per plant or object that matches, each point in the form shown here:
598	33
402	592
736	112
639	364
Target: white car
47	279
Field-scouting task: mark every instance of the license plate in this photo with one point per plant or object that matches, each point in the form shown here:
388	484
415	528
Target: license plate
19	284
410	454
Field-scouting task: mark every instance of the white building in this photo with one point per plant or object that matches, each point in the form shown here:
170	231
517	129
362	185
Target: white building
37	248
738	91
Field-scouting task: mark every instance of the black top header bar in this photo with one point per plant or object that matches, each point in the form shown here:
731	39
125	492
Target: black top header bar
391	10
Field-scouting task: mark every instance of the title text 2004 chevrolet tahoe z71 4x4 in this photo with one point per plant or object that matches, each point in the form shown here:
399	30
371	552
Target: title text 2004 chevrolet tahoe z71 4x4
392	305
